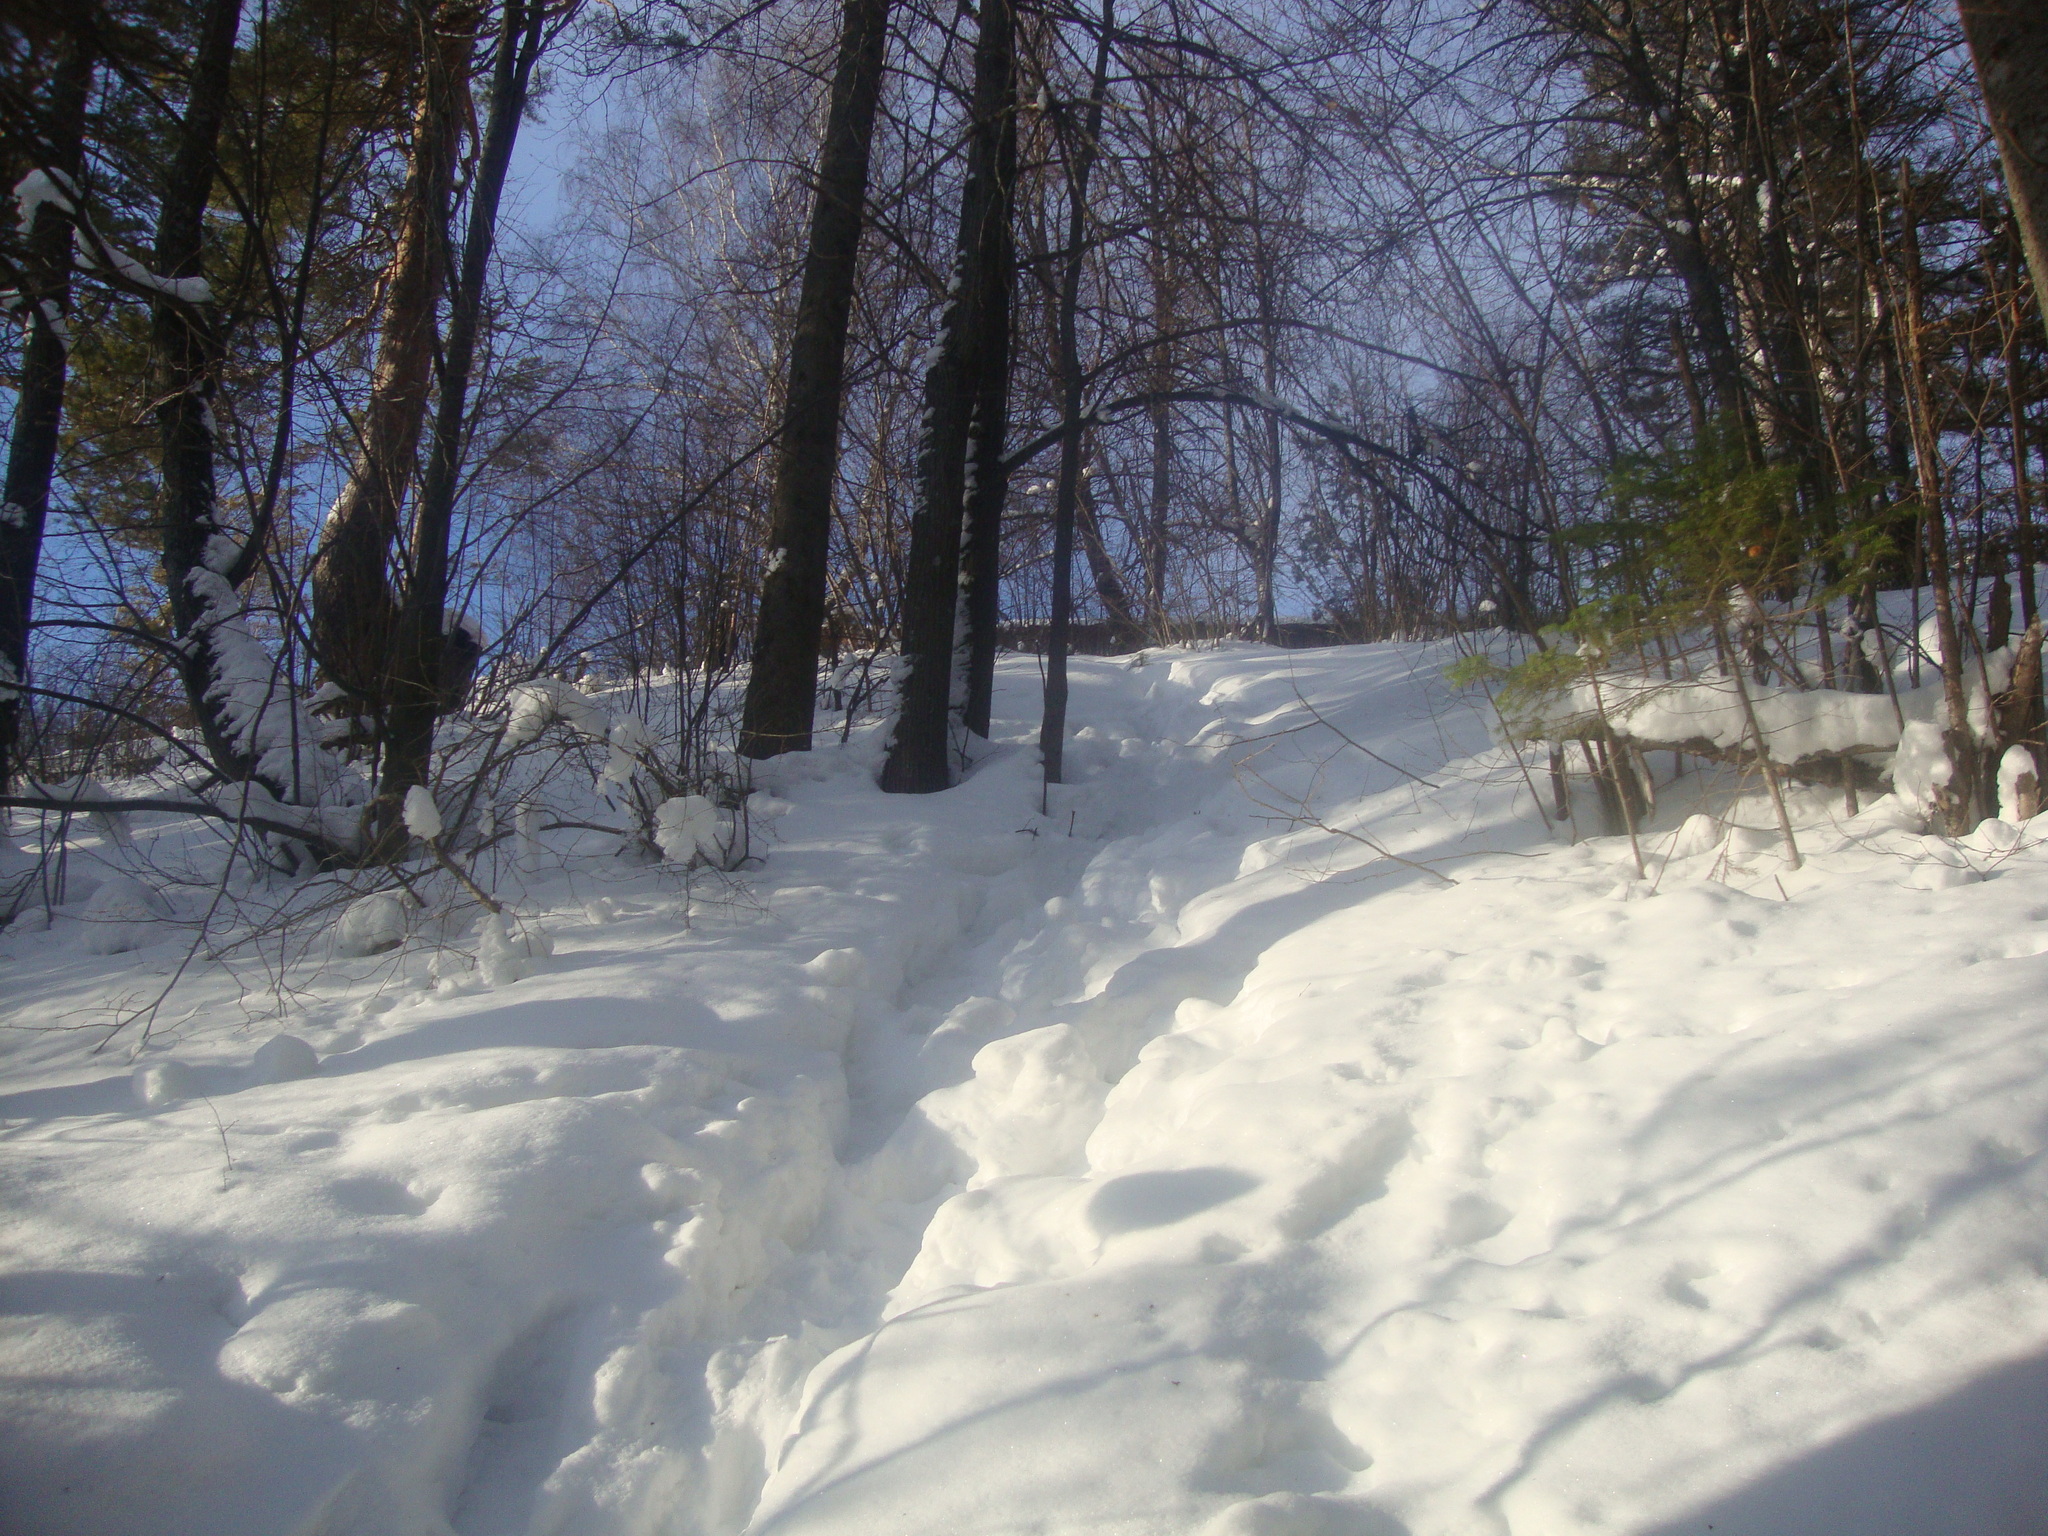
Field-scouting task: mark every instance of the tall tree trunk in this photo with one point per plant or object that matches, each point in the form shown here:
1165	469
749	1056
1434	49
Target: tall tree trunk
988	483
1159	495
1158	508
199	555
2009	43
920	756
1962	798
1269	518
1794	396
1066	496
2022	477
1683	224
782	687
1266	541
1102	571
45	303
355	613
419	691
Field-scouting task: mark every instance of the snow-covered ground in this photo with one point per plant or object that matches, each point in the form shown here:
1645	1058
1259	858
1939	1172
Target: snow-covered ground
1283	1133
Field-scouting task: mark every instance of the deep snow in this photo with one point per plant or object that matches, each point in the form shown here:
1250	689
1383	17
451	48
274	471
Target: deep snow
1276	1136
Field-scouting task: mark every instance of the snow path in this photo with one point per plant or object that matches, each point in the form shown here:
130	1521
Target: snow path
1166	1163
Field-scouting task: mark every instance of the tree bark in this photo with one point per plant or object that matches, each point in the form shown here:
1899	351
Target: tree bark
988	480
1067	493
355	612
782	688
920	756
1269	525
1159	494
188	348
1102	571
1266	543
45	303
2022	479
1961	799
1683	224
419	694
2009	43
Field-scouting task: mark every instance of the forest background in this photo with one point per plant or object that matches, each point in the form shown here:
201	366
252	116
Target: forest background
868	339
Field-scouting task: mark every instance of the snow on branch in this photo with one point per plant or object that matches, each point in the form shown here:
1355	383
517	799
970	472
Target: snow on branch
1802	729
50	188
256	811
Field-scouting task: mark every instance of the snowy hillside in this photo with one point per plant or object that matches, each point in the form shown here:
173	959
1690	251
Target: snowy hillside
1284	1133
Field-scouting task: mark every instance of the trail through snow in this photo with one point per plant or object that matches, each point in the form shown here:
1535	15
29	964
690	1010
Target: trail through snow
1281	1133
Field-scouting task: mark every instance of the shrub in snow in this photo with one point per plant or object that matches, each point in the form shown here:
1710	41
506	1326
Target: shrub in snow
123	914
112	825
533	707
422	816
691	826
372	924
765	807
631	742
1696	835
1921	768
18	879
507	950
1943	867
838	968
2019	786
163	1082
283	1059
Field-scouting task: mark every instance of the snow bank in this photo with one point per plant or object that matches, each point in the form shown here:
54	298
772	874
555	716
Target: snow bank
1798	724
1187	1160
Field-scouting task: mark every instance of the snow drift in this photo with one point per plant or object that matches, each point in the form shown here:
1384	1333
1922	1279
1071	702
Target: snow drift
1273	1134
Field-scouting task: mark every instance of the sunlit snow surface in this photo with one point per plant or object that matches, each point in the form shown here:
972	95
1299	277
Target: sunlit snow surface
1159	1164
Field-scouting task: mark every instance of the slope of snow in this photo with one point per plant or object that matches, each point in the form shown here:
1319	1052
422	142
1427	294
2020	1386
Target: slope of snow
1282	1132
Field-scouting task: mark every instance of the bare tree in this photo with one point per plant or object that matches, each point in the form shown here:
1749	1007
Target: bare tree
781	688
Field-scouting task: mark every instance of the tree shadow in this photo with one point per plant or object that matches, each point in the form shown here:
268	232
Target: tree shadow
116	1416
1973	1463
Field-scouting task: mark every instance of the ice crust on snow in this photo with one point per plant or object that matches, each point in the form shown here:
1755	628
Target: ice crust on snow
1150	1165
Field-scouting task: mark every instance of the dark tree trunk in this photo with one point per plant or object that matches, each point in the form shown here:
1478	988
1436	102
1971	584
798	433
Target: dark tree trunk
45	303
1683	222
1158	508
1109	583
920	757
988	483
420	686
1960	802
1159	493
199	556
1794	394
782	688
1269	523
1067	494
355	613
2022	477
2009	42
